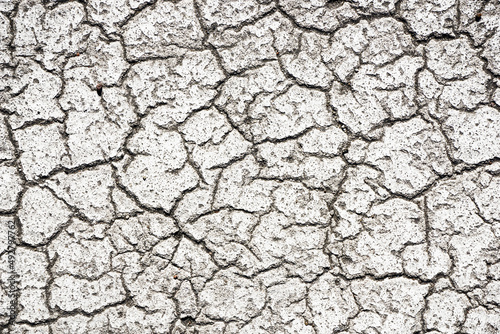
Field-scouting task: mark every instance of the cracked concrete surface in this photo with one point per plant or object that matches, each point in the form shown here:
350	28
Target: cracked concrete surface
250	166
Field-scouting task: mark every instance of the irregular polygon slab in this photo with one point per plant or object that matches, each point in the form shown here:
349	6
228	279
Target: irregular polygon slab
158	173
255	44
29	16
302	205
427	260
482	320
383	87
99	134
32	268
6	147
150	280
231	297
5	36
376	6
82	258
492	53
238	190
456	224
141	233
288	299
320	14
233	146
101	62
239	92
159	146
108	13
52	36
388	228
156	186
488	199
360	190
374	40
196	261
124	204
288	114
446	311
411	155
27	329
329	141
32	303
471	252
226	13
377	94
216	145
73	294
332	303
195	203
41	215
33	95
186	300
374	43
163	30
10	187
452	59
395	302
208	125
42	148
287	161
430	17
307	65
152	291
458	78
356	152
451	208
87	190
475	136
180	85
479	31
278	240
492	292
226	234
115	320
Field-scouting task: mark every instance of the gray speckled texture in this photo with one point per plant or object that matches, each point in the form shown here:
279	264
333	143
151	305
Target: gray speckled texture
250	166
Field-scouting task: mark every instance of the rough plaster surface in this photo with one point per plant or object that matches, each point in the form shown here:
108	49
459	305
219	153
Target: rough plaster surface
250	166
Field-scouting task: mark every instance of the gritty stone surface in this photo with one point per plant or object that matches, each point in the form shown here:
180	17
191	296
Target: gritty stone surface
249	166
41	215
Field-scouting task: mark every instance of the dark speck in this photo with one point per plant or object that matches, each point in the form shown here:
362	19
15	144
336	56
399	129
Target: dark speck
99	89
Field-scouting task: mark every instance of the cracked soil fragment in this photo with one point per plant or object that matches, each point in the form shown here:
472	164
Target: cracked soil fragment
250	166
